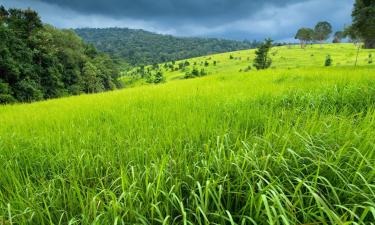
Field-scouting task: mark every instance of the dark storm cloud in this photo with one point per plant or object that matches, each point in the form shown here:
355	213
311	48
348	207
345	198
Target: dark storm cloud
237	19
175	10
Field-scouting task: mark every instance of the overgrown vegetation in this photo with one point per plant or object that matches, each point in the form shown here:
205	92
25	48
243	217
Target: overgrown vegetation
41	62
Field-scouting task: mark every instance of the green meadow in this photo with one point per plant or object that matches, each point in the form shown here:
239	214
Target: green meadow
294	144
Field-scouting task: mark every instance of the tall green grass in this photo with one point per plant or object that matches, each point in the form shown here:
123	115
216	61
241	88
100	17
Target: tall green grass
270	147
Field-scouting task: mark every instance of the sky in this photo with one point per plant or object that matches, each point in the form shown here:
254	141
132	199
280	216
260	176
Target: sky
231	19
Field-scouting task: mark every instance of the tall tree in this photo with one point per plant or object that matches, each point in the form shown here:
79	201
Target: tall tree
338	36
304	35
322	31
262	59
364	21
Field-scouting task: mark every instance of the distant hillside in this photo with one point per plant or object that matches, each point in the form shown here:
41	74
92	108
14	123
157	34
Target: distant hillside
142	47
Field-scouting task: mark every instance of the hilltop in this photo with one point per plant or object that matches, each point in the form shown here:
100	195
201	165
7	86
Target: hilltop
142	47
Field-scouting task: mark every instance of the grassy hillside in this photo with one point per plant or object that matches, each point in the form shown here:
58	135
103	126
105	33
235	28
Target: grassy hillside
281	146
283	58
142	47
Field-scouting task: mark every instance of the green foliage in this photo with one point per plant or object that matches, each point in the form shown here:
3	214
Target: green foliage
5	93
322	31
364	21
41	62
305	35
195	72
328	61
370	59
262	59
338	36
141	47
159	77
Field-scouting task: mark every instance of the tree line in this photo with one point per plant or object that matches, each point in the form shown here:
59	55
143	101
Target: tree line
361	30
38	61
139	47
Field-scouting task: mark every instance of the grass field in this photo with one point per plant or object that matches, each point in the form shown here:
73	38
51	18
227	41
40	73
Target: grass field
284	57
290	145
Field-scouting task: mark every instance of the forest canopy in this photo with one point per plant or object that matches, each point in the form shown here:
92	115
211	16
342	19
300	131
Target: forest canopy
38	61
139	47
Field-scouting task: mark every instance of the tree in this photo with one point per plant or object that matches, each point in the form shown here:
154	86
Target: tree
304	35
338	36
322	31
39	61
91	79
262	60
159	77
3	14
364	21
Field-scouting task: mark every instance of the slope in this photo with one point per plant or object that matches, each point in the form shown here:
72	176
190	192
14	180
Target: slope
280	146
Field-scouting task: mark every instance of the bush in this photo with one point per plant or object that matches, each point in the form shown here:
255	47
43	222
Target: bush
247	69
6	99
159	77
328	61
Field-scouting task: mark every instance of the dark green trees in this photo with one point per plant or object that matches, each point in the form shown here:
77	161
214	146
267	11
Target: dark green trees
262	60
338	36
139	47
322	31
39	61
305	35
364	21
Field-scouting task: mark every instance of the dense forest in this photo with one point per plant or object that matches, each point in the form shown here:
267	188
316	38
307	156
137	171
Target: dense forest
38	61
139	47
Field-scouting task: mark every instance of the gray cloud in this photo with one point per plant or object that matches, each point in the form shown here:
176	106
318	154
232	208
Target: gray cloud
237	19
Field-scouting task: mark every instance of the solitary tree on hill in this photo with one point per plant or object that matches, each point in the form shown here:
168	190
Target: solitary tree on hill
364	21
322	31
262	60
304	35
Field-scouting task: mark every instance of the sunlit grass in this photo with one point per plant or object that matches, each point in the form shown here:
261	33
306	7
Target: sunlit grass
281	146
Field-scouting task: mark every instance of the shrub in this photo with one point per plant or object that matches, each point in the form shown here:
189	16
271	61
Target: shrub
328	61
159	77
247	69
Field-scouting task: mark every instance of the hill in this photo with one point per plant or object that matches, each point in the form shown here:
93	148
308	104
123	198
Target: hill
288	145
142	47
284	57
